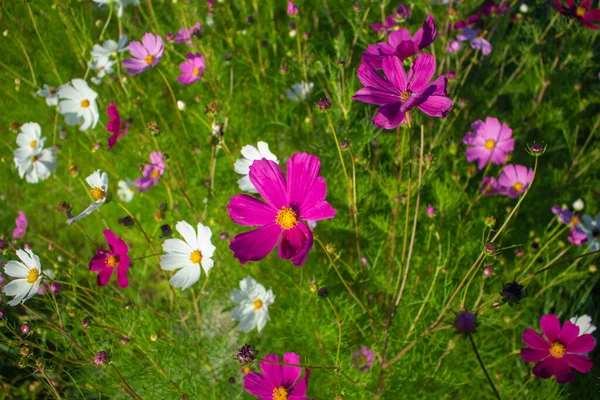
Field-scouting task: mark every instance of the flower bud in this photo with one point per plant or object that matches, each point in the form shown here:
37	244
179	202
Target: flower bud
323	292
488	271
25	329
512	293
55	287
465	322
25	350
246	354
86	322
100	358
63	207
489	248
324	104
345	144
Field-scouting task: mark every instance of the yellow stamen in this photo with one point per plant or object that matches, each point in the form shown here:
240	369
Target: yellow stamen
112	261
575	220
196	257
33	144
405	95
85	103
33	276
52	90
97	193
155	174
286	218
490	144
280	393
149	59
580	12
257	304
34	158
196	71
246	370
557	350
518	186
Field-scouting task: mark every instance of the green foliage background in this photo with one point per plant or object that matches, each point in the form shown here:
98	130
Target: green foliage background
529	81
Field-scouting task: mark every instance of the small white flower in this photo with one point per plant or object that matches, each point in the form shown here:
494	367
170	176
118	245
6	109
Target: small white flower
591	227
523	8
210	21
126	190
299	91
578	205
584	323
253	304
78	102
103	65
31	160
50	93
28	272
118	4
251	154
181	105
109	48
30	140
188	255
293	33
99	192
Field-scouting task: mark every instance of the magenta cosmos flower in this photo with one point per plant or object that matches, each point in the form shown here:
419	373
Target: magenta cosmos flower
288	202
278	382
363	359
402	44
582	12
145	55
559	351
21	228
152	172
489	141
392	22
192	69
515	179
106	261
115	125
292	9
186	35
397	94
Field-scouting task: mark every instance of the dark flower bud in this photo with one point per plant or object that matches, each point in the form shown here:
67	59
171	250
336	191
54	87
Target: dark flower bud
512	293
100	358
126	221
25	329
231	380
124	340
22	363
166	231
63	207
323	292
489	248
153	128
55	287
86	322
250	19
40	363
128	305
535	246
465	322
25	350
2	245
344	144
224	235
227	57
324	104
264	43
246	354
536	149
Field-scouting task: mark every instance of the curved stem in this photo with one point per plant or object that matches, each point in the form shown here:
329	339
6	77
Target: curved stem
483	368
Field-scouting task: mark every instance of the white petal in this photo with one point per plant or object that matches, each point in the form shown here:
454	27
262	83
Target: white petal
262	317
186	276
188	233
237	296
263	147
207	264
242	166
17	287
92	207
16	269
251	153
173	261
94	179
177	246
203	240
245	185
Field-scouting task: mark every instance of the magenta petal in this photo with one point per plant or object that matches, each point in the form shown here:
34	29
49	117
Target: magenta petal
568	334
97	262
300	258
137	50
532	356
394	72
111	239
257	385
582	364
255	245
389	116
546	368
248	211
582	344
273	373
375	96
436	106
299	390
398	36
534	340
104	275
551	327
370	78
122	279
562	371
302	171
323	210
292	241
426	35
421	72
291	374
267	178
407	48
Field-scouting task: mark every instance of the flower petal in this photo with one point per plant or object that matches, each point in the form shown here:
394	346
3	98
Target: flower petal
550	325
257	385
421	72
255	245
534	340
533	356
267	178
291	374
248	211
582	344
568	333
273	373
582	364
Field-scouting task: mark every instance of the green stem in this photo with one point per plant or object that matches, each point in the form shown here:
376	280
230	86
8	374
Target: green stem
483	368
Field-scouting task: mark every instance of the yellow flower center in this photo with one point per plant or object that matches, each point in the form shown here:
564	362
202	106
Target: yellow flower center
557	350
580	11
280	393
85	103
196	257
286	218
574	219
33	144
52	90
155	174
246	370
257	304
149	59
33	276
112	261
518	186
196	71
98	193
34	158
490	144
405	95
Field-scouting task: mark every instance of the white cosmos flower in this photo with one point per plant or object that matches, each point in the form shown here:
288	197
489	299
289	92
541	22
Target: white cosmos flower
109	48
253	304
188	255
126	190
30	140
251	154
118	4
104	66
99	192
78	102
50	93
36	167
584	323
299	91
28	274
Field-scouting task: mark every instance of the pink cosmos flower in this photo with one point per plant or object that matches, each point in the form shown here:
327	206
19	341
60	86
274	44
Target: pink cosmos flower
582	13
453	46
363	359
402	44
278	382
145	55
476	42
186	35
105	261
192	69
21	228
489	141
152	172
392	22
288	202
115	125
292	9
577	236
430	210
397	94
515	179
559	351
490	8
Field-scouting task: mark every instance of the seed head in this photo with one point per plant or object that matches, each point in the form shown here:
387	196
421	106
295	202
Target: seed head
246	354
512	293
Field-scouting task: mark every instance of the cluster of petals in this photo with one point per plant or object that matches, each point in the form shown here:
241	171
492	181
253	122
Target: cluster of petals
99	192
476	41
106	262
253	301
186	35
581	12
513	181
32	160
28	276
393	21
78	103
115	125
278	381
145	55
192	69
151	173
489	141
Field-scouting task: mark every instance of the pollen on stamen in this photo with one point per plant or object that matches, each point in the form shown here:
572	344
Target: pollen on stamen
113	261
490	144
33	276
405	95
85	103
196	71
196	257
97	193
518	186
258	304
33	144
286	218
149	59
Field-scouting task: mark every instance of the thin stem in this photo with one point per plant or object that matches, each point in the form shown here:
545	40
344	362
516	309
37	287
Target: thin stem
483	368
127	387
334	368
339	323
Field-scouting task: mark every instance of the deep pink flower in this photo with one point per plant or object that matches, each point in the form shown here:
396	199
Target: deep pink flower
363	359
115	126
430	210
392	22
288	202
490	187
192	69
292	9
490	140
145	55
559	351
464	23
21	228
582	13
277	381
105	261
402	44
490	8
152	172
515	179
186	35
577	236
397	94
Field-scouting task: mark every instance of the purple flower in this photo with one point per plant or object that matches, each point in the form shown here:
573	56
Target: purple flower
401	44
292	9
559	351
577	236
152	172
397	94
489	186
453	46
278	382
566	216
100	358
476	42
106	261
490	8
515	179
489	141
464	23
186	35
192	69
288	202
21	228
363	358
145	55
392	22
430	210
